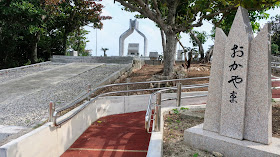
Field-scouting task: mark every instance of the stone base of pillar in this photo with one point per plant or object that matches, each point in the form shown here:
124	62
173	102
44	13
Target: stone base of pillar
229	147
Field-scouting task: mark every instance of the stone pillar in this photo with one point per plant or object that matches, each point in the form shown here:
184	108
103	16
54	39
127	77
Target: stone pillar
214	99
258	115
239	94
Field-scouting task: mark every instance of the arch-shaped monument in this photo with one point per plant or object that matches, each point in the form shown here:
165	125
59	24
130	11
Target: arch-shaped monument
133	25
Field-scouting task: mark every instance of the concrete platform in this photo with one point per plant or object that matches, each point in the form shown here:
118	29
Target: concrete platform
210	141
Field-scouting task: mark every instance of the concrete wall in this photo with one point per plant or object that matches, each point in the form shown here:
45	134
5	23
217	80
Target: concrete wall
49	141
92	59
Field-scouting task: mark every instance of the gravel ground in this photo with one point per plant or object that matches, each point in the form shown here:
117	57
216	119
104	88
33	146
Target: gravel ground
33	108
175	124
14	74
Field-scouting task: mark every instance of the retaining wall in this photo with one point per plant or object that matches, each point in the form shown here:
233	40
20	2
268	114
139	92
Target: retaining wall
92	59
23	67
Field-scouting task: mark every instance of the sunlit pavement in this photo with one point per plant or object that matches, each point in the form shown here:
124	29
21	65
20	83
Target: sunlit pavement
121	135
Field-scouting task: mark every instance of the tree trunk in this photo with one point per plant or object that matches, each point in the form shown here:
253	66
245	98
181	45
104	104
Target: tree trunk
34	55
200	46
163	41
208	55
65	43
169	53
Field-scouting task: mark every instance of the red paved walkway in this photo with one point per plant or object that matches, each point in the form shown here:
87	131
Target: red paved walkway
120	135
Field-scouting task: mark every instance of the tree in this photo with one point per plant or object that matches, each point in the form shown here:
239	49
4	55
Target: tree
77	41
34	29
274	49
104	50
198	39
73	14
175	16
275	38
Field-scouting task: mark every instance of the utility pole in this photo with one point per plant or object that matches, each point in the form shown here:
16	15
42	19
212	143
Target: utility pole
96	43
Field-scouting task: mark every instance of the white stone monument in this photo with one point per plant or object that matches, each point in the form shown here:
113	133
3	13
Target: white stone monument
133	25
238	116
133	49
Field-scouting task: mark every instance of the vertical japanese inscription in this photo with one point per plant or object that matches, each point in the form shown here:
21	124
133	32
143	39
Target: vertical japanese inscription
235	79
234	89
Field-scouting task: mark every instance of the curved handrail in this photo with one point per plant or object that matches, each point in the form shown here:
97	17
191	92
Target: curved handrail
85	95
149	115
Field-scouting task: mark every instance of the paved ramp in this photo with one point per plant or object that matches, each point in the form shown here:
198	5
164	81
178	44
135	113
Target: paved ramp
25	85
121	135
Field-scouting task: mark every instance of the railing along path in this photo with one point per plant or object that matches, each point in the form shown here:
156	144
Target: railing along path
154	105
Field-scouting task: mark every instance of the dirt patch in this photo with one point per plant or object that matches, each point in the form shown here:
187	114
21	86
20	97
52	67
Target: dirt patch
173	135
176	124
148	71
276	121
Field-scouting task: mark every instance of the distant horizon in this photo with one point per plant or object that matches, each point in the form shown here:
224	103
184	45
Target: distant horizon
108	37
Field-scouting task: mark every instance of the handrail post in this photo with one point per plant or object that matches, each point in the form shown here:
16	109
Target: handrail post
127	86
89	90
51	111
179	93
158	112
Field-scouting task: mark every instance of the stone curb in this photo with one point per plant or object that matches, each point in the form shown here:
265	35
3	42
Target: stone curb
27	66
156	141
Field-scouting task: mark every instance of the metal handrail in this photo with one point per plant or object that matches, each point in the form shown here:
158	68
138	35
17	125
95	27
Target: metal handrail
86	95
155	117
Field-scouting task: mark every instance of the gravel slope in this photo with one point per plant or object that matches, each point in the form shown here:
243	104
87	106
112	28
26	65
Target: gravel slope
32	108
15	74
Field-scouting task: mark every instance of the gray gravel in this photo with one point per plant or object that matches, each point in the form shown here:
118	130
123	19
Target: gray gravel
32	108
15	74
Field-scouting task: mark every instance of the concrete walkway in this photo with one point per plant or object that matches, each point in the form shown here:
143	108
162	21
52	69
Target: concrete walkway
121	135
31	83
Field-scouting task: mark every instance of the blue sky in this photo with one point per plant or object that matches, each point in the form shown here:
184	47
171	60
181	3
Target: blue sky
108	37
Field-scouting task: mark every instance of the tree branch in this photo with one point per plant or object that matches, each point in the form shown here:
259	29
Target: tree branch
145	11
199	23
156	7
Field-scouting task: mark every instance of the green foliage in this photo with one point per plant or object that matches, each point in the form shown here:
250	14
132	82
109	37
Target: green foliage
195	155
184	108
202	36
176	16
28	62
77	41
226	22
275	38
274	49
176	111
31	29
